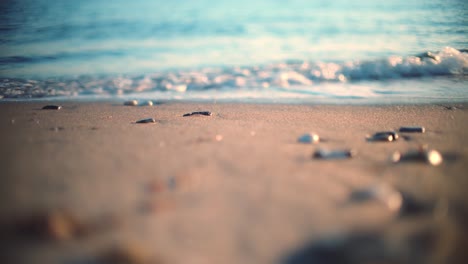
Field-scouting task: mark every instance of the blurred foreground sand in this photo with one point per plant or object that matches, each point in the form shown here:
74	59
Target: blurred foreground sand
234	187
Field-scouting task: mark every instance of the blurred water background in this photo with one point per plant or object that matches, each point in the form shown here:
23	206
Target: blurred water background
256	50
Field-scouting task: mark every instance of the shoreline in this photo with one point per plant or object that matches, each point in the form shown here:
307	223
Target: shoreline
234	187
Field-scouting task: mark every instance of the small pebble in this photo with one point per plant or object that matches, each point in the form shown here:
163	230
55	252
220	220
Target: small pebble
309	138
146	121
383	193
333	154
218	137
52	107
412	129
205	113
384	136
422	154
131	103
147	103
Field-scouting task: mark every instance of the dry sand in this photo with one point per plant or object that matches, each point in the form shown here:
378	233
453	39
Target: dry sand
234	187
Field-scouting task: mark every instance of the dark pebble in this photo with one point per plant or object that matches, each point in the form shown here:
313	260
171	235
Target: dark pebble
422	154
145	121
333	154
412	129
205	113
384	136
52	107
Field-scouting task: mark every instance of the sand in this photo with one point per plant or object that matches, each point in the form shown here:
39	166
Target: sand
234	187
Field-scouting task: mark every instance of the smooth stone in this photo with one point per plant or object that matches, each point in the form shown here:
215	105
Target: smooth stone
131	103
333	154
147	103
145	121
309	138
383	193
422	154
412	129
205	113
384	136
52	107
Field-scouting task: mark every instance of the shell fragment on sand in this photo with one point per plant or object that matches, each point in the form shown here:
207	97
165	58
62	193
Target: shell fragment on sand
309	138
52	107
131	103
382	193
333	154
205	113
388	136
412	129
422	154
146	121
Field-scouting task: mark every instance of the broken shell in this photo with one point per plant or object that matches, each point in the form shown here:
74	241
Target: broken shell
131	103
383	193
52	107
412	129
384	136
333	154
145	121
205	113
309	138
432	157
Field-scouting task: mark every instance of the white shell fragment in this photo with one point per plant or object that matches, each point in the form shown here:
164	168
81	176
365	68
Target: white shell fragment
333	154
383	193
309	138
422	154
131	103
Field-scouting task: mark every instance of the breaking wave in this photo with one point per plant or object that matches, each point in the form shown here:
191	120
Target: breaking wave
284	75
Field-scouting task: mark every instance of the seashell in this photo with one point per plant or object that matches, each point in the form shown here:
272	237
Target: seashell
422	154
146	121
131	103
52	107
384	136
205	113
412	129
333	154
382	193
309	138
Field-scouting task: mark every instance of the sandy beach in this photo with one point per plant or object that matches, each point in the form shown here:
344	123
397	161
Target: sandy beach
234	187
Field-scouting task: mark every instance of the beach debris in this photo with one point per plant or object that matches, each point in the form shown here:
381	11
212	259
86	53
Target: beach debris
422	154
388	136
128	253
334	154
309	138
146	121
52	107
383	193
412	129
205	113
56	129
131	103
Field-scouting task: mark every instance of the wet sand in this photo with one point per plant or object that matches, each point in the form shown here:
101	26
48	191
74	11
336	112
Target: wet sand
234	187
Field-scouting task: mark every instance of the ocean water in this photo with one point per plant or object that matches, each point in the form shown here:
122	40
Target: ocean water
256	50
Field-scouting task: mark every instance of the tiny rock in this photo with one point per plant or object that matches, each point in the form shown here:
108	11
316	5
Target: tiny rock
131	103
147	103
309	138
333	154
146	121
422	154
126	254
382	193
412	129
205	113
384	136
52	107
